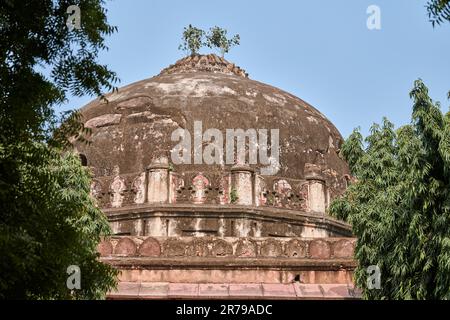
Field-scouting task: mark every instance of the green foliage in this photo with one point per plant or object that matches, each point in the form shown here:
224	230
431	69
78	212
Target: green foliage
41	60
69	125
438	11
49	222
217	38
47	219
233	196
399	205
192	40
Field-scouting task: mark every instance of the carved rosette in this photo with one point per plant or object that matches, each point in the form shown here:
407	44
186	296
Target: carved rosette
200	186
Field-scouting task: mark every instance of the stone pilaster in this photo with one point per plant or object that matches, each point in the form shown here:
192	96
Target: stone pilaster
242	183
317	190
158	181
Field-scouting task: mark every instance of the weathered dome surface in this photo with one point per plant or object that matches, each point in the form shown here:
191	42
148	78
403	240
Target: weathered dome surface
203	226
136	124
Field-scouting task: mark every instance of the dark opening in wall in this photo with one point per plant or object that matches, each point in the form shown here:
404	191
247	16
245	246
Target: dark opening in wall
83	160
122	234
347	181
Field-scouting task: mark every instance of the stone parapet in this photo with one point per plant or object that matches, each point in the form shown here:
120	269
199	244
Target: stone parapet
241	185
227	221
228	247
233	260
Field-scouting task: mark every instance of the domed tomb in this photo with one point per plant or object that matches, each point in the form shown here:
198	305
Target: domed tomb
146	192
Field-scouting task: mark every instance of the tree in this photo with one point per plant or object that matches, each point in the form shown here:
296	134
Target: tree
34	34
192	40
438	11
47	220
51	223
217	38
399	203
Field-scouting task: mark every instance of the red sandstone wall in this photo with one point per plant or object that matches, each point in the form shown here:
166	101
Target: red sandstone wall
212	247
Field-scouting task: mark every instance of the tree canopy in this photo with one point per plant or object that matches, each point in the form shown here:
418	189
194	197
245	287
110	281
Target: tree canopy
438	11
399	203
49	222
194	39
217	38
41	60
47	218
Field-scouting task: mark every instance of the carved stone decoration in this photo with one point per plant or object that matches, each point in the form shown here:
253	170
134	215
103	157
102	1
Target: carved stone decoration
225	189
221	248
284	194
197	248
271	248
139	188
282	187
319	249
246	249
176	186
105	248
125	247
343	248
150	248
296	249
117	189
174	248
260	191
199	189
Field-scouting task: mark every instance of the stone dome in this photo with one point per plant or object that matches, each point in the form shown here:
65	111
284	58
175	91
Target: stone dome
133	129
201	225
145	192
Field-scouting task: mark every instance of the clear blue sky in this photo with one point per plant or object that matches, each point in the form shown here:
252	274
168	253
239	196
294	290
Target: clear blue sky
320	51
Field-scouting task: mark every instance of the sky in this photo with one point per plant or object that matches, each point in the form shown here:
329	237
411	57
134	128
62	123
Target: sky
321	51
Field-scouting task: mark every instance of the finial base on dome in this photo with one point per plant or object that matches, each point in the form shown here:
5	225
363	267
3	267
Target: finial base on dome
204	63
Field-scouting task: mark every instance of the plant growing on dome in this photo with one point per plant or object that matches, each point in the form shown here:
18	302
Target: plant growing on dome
233	196
217	38
192	40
